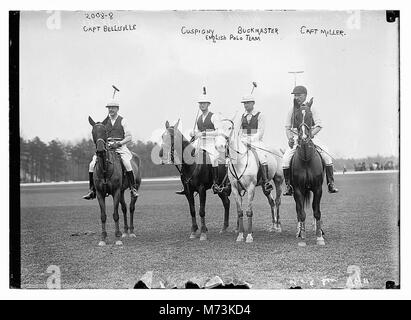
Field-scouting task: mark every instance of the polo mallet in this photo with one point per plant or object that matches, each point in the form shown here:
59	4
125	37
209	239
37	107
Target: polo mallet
254	86
115	90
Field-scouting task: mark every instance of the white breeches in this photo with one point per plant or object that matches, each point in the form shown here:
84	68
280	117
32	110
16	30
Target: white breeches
321	149
125	155
262	154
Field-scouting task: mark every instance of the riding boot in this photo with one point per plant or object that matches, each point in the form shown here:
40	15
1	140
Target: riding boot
92	192
329	170
131	181
267	186
215	180
288	188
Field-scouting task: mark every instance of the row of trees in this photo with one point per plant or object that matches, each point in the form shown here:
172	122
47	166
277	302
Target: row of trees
59	161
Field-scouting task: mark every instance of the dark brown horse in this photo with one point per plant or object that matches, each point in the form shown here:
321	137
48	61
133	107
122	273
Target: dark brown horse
196	175
307	175
109	179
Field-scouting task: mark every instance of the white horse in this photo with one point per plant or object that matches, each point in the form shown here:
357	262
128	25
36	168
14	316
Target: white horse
243	168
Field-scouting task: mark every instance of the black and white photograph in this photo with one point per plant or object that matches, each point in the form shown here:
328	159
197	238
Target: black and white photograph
204	149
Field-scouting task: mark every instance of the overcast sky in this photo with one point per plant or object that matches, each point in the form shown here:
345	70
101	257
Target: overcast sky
66	73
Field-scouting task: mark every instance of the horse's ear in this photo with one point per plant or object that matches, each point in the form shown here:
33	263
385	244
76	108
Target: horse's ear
177	123
91	121
167	124
309	104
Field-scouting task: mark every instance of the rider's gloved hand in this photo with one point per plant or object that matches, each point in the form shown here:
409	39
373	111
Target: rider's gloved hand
291	143
116	145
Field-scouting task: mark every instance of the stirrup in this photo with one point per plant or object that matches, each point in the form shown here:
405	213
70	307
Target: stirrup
90	195
332	188
268	186
133	192
181	192
215	188
288	191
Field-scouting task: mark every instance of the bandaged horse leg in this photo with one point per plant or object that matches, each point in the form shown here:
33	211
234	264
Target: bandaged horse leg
249	212
116	217
202	195
194	226
275	204
299	202
102	203
240	214
317	215
124	209
226	203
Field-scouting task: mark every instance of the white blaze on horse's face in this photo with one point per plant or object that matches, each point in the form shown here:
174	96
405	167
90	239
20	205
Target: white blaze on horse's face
220	143
166	147
304	128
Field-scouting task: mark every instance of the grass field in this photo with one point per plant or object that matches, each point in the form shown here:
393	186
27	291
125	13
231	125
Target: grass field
360	223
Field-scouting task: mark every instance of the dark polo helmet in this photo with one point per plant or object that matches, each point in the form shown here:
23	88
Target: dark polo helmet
299	90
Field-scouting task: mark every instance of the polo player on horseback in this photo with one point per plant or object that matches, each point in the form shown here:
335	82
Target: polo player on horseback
118	136
206	129
251	133
291	127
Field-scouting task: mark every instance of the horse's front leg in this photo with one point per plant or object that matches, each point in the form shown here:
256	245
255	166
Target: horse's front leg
124	209
226	203
116	217
202	194
278	180
249	212
299	205
133	201
240	213
191	203
102	203
317	215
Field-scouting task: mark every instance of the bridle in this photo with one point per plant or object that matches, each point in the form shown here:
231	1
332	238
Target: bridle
307	140
231	166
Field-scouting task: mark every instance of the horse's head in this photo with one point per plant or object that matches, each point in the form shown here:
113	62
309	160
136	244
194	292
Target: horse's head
222	141
168	144
99	133
304	119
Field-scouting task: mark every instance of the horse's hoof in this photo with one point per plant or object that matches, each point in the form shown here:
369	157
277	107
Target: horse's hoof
193	235
224	231
249	239
124	235
119	243
101	243
203	237
302	244
240	237
132	235
320	241
278	229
